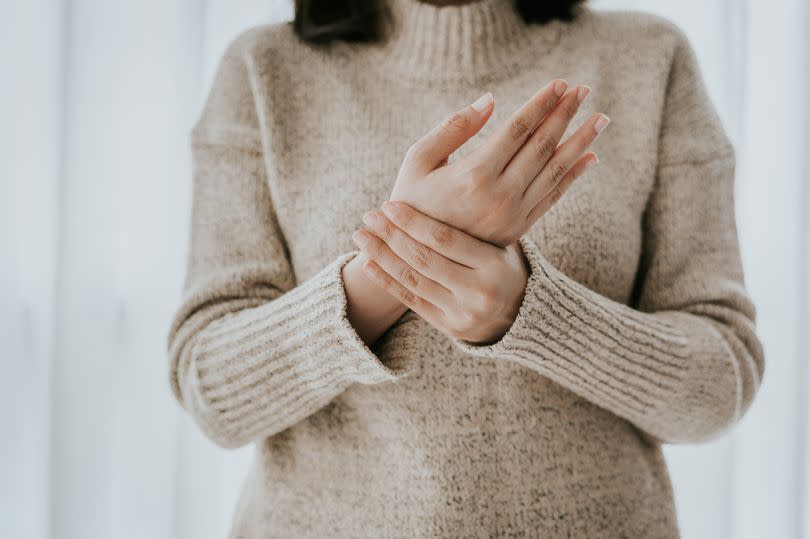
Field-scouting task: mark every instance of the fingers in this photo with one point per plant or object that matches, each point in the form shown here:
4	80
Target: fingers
510	137
429	312
556	193
445	240
416	283
436	146
564	158
418	256
534	155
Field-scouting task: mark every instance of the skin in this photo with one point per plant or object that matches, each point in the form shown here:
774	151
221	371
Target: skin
461	285
445	245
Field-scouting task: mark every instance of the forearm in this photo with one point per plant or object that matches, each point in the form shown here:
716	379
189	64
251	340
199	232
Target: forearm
370	310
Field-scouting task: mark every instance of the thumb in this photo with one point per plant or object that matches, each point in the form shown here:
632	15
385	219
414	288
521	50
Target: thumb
436	146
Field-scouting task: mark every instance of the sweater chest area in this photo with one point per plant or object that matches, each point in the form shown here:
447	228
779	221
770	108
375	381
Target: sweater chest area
330	163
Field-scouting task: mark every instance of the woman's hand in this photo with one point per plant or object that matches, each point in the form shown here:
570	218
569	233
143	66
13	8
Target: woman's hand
467	288
501	188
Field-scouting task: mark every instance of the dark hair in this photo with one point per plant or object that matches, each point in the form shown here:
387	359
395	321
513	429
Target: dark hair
321	21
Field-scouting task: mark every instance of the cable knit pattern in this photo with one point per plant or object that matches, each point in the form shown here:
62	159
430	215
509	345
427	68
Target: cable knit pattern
635	327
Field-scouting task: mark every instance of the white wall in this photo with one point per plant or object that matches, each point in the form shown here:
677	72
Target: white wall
97	99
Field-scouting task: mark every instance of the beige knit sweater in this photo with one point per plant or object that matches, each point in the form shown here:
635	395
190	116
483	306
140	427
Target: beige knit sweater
635	329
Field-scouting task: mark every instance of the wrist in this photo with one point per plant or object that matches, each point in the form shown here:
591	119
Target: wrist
356	280
507	315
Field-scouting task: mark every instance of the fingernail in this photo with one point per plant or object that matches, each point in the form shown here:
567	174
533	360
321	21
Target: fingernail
582	93
601	123
560	87
482	102
371	219
592	162
391	209
360	238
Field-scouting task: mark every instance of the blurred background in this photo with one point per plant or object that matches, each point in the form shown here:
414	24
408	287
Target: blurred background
96	103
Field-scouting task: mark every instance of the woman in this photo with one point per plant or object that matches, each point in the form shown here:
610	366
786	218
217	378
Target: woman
480	356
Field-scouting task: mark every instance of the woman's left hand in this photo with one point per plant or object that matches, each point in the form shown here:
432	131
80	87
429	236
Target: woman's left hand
466	288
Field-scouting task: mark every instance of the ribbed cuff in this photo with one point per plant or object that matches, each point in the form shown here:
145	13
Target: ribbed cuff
261	369
614	355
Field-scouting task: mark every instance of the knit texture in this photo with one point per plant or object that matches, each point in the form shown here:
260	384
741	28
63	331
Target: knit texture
635	328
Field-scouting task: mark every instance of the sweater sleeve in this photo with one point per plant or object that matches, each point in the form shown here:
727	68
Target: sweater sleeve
251	351
683	361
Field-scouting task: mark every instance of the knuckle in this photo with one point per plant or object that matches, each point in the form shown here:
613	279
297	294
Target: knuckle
422	257
545	145
406	216
557	171
443	235
479	176
387	230
408	277
407	297
518	129
457	121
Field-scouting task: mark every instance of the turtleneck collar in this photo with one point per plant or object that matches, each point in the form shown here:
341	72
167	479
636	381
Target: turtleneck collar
459	42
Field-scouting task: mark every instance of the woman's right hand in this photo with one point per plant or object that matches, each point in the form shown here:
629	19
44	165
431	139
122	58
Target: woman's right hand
502	187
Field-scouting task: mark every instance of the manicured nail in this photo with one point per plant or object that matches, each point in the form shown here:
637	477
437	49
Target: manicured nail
360	238
601	123
391	209
592	162
582	93
559	87
371	219
482	102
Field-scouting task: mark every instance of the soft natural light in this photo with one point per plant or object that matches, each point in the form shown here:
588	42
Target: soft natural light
98	98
